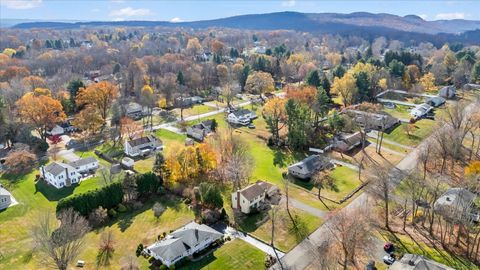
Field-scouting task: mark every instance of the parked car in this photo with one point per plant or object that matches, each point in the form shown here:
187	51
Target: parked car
388	259
436	101
388	247
80	263
251	126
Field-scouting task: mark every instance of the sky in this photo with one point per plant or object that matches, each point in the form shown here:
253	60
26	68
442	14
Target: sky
190	10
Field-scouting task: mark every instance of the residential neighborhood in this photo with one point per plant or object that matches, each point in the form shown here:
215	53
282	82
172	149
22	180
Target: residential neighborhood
239	135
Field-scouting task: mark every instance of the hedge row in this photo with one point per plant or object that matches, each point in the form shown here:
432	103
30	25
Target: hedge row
106	197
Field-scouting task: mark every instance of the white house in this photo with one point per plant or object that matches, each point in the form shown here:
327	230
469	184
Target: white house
457	203
346	142
421	110
182	243
417	262
5	199
241	117
85	165
56	130
448	91
306	168
60	174
376	121
252	196
142	146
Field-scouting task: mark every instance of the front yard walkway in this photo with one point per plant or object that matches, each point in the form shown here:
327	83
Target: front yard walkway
253	241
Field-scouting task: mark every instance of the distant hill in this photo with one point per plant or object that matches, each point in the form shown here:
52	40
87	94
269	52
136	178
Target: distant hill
363	23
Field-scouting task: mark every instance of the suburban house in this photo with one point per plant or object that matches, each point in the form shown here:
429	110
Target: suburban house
252	196
63	128
184	242
421	111
134	110
376	121
200	131
346	142
241	117
417	262
183	102
60	174
457	202
306	168
435	101
5	199
85	165
447	91
471	86
142	146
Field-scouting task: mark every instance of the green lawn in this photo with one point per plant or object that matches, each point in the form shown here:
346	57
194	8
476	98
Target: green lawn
400	111
195	110
235	254
423	129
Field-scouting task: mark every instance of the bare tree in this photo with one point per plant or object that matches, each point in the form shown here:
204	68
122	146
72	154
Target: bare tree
129	263
380	186
273	217
351	237
106	249
59	245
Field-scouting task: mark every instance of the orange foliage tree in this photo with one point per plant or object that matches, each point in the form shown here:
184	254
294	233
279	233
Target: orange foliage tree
100	95
130	128
40	110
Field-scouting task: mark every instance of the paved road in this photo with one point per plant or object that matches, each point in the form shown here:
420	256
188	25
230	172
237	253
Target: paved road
304	254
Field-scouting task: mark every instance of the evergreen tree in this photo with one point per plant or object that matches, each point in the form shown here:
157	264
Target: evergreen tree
339	71
363	85
326	85
313	78
73	87
298	123
180	78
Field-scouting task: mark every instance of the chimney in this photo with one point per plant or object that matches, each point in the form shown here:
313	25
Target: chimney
238	200
68	182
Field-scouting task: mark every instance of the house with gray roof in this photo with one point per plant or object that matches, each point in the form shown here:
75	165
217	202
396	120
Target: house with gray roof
375	121
142	146
5	199
457	203
252	196
306	168
184	242
59	174
200	131
345	142
241	117
417	262
448	91
85	165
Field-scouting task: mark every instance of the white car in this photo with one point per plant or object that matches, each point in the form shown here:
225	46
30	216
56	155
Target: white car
388	259
421	110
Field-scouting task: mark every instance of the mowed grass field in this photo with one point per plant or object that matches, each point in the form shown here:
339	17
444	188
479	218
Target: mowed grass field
421	130
235	254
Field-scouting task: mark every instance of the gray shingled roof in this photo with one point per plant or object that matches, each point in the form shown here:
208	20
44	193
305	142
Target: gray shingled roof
142	140
241	112
55	168
252	191
82	162
181	240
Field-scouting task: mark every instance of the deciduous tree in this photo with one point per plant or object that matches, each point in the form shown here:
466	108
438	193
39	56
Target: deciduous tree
100	95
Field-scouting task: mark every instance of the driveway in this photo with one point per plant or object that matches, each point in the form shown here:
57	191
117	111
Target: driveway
253	241
307	208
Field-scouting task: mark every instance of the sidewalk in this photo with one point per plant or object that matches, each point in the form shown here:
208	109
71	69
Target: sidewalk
253	241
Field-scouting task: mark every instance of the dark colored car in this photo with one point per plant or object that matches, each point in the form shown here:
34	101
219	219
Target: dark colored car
388	247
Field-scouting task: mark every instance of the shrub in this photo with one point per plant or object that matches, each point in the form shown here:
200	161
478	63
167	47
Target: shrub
107	197
98	217
112	213
147	183
158	209
139	250
121	208
172	267
163	267
20	162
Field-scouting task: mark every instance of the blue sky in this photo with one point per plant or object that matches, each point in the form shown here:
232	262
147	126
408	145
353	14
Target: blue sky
189	10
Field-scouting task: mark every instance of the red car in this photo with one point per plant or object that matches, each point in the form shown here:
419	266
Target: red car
388	247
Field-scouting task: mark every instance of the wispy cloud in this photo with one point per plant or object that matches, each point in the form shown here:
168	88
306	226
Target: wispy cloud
21	4
288	3
423	16
130	12
450	16
175	20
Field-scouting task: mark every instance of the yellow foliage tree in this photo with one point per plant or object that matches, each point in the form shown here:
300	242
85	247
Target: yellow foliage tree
346	88
473	168
428	82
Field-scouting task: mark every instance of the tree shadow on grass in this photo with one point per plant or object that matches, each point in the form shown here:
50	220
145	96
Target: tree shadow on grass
283	158
248	223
